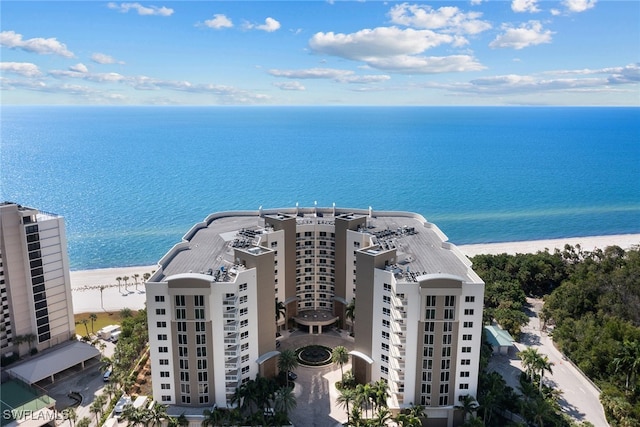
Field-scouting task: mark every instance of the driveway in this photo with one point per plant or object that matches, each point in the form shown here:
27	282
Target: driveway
315	389
580	398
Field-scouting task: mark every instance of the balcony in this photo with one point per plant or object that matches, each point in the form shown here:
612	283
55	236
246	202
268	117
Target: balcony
231	327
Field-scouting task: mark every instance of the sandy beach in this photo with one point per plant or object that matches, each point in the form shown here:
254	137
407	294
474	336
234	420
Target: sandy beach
86	284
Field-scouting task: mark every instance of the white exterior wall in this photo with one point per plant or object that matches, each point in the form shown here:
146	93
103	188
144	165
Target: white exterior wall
153	290
476	291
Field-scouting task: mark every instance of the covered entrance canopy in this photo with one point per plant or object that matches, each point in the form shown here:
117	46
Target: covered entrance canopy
315	319
54	361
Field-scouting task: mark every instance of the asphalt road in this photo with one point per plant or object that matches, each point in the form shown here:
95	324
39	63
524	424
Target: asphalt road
580	398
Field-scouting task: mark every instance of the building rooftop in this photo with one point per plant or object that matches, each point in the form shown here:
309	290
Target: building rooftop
421	248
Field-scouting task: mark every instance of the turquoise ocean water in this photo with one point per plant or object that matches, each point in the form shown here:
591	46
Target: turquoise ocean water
131	181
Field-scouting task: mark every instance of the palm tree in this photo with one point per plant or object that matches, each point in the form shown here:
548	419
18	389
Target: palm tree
84	422
382	417
85	322
287	361
157	413
30	338
381	393
125	279
17	340
71	415
93	318
346	397
350	313
281	311
96	408
212	418
628	361
543	364
467	405
182	420
529	358
340	355
135	277
118	279
285	400
110	389
102	288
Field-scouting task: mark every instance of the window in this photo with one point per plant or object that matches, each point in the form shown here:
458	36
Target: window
468	311
430	313
203	376
180	301
160	311
465	362
467	325
198	300
244	335
429	326
466	337
162	337
184	364
166	398
199	312
201	351
164	374
163	349
448	313
165	386
184	376
469	299
183	351
464	386
182	339
161	324
431	301
164	361
464	374
181	313
202	363
444	400
449	301
159	298
466	349
446	339
444	376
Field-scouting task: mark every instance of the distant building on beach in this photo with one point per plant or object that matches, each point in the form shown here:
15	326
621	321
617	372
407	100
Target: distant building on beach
35	288
212	303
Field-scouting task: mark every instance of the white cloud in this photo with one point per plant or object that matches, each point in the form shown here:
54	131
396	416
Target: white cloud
26	69
528	34
584	80
395	50
218	21
476	2
39	45
290	86
520	6
142	10
101	58
579	5
341	76
406	64
378	42
449	19
270	25
79	68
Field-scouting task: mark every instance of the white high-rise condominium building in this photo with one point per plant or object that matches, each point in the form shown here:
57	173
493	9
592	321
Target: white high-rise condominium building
211	303
35	288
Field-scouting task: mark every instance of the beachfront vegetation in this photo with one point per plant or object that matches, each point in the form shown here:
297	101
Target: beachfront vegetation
591	301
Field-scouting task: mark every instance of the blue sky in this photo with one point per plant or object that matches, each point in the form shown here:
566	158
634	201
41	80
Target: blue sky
531	52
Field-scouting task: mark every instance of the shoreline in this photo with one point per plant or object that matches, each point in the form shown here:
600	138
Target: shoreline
85	284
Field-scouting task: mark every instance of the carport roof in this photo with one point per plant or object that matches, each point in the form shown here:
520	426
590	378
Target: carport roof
54	361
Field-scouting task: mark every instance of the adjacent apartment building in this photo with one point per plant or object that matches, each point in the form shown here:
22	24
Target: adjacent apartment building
35	291
212	303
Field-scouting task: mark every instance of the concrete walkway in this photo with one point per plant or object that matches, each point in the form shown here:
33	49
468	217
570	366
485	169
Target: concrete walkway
315	389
